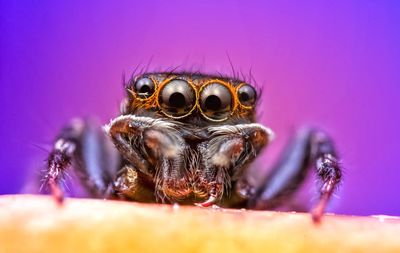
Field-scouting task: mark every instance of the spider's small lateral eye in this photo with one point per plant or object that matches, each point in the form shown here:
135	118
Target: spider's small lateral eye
177	98
247	95
144	87
216	102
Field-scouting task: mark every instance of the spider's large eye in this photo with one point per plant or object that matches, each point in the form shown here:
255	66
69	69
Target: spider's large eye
247	95
177	98
144	87
216	102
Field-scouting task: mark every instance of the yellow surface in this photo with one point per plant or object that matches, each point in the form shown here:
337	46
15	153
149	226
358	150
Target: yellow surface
36	224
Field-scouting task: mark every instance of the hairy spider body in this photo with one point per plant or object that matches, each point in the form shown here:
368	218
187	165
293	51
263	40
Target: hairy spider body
188	138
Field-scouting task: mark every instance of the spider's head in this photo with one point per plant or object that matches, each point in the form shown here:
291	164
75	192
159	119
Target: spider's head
193	134
196	99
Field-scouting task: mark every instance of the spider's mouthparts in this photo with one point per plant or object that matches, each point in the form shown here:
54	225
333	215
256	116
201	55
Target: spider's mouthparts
209	202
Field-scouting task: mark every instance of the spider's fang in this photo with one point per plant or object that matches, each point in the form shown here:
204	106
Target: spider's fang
209	202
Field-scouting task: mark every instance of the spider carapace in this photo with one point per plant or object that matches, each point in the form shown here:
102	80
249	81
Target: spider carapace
188	138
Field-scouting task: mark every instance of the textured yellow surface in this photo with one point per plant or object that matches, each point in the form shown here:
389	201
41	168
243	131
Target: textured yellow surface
36	224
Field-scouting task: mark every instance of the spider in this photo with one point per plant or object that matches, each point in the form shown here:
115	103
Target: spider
188	138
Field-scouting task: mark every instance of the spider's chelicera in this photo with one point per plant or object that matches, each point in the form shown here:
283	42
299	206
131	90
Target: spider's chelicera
188	138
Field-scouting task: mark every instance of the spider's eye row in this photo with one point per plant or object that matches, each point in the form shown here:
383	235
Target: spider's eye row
177	98
144	87
216	101
247	95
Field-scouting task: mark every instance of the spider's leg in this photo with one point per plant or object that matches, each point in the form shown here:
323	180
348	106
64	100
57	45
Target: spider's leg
310	148
83	148
131	184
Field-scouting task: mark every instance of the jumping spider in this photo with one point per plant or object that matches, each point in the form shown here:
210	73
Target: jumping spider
188	138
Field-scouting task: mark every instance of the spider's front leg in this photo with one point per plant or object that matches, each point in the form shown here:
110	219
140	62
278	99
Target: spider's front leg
83	147
155	148
310	148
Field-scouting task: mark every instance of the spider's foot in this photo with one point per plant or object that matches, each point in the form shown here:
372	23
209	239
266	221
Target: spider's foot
56	192
318	211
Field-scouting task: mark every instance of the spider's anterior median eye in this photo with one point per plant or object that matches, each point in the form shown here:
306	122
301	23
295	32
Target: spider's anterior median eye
144	87
216	101
177	98
247	95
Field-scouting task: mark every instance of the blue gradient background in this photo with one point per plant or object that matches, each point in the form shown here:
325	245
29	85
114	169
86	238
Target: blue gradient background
335	64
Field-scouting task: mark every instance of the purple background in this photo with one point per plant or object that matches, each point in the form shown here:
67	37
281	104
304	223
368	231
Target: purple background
333	64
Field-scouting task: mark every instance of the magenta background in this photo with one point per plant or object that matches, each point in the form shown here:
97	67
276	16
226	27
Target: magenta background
333	64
